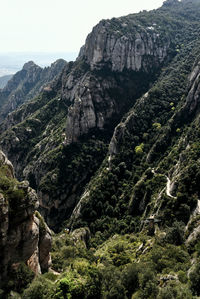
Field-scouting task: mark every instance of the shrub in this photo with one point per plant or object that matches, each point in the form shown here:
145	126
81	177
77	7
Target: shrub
116	292
182	276
195	280
130	278
139	149
148	283
39	288
175	292
175	233
20	277
157	126
111	282
69	287
93	283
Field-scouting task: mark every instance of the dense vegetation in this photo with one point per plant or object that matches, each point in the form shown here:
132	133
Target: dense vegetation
125	266
10	188
135	233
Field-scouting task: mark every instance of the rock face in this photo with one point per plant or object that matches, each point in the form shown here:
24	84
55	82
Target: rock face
193	97
26	84
92	105
24	237
124	46
81	235
117	45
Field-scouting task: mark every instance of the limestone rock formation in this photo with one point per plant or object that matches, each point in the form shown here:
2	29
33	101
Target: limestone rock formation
24	236
124	45
117	45
91	105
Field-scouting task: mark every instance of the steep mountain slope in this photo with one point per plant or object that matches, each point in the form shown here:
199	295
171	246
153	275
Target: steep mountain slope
149	169
26	84
112	147
71	123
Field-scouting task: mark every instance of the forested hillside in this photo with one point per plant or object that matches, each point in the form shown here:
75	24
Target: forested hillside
112	148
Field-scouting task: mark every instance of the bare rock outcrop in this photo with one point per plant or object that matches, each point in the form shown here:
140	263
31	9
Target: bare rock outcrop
91	105
81	235
117	45
24	236
124	46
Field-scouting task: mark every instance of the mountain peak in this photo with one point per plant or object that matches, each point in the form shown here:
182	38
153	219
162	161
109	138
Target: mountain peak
170	2
29	65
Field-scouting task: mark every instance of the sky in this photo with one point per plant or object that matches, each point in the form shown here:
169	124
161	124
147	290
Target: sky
58	25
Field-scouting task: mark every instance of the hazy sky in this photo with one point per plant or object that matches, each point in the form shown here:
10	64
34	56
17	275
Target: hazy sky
58	25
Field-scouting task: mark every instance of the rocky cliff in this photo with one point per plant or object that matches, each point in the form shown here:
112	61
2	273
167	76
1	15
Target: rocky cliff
123	44
24	236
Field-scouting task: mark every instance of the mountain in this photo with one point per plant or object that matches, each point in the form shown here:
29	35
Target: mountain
120	61
26	84
112	148
4	80
90	97
12	62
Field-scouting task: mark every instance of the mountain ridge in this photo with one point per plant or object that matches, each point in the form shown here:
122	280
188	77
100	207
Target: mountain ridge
26	84
112	148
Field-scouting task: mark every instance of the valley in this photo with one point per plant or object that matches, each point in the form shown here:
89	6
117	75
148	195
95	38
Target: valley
108	146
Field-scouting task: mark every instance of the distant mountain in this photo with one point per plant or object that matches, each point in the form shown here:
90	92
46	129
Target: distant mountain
26	84
12	62
4	80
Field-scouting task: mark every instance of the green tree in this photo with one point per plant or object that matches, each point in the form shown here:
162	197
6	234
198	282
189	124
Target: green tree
139	149
195	280
156	126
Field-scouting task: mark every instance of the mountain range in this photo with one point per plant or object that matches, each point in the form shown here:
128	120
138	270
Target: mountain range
110	143
12	62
